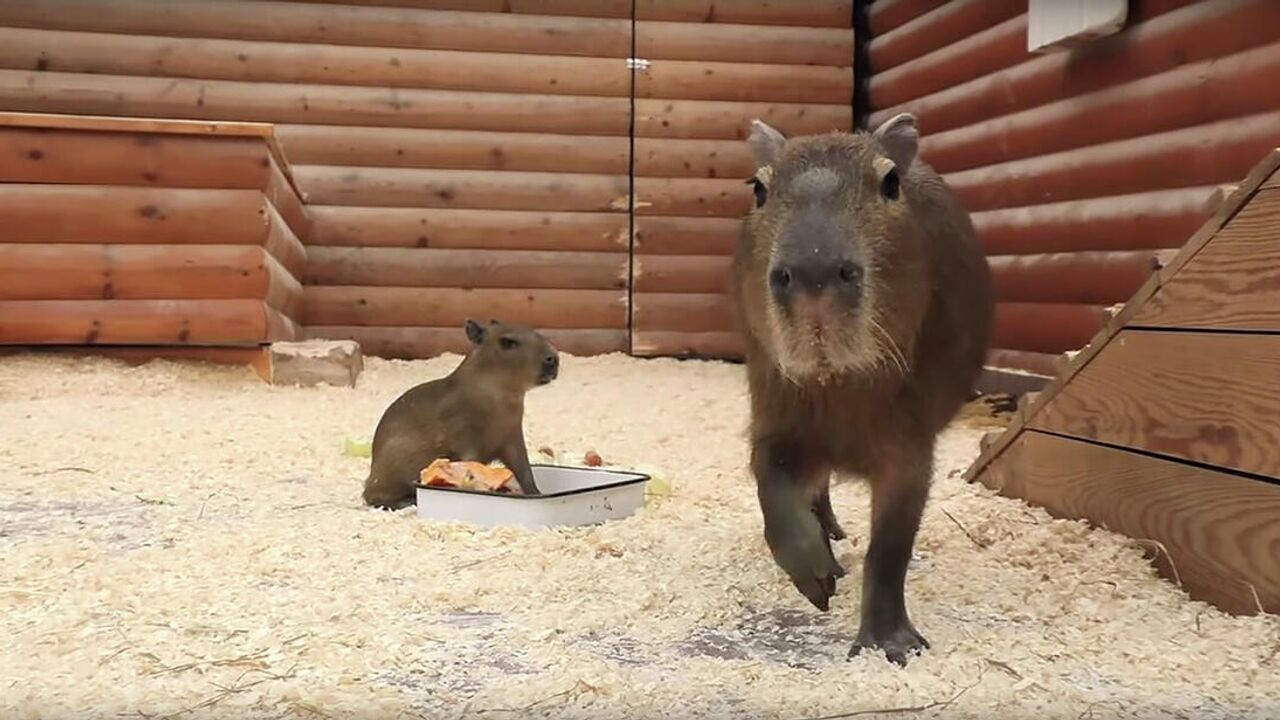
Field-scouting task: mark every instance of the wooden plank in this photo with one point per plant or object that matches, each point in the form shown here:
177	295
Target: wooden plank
1233	283
1195	156
332	104
937	28
697	197
682	312
284	291
1143	221
674	157
583	8
886	15
682	273
1216	532
163	272
710	119
657	235
294	63
283	244
451	307
461	189
384	27
453	149
420	342
1095	278
281	327
811	13
1208	398
104	213
981	54
430	267
1192	94
1039	363
105	123
133	322
88	157
1199	31
744	82
1046	327
468	229
285	198
711	345
776	44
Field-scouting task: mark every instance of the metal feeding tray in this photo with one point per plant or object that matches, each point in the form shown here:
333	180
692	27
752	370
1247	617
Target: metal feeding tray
570	496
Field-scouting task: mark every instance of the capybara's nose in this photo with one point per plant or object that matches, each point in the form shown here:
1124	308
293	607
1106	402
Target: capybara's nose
551	363
815	276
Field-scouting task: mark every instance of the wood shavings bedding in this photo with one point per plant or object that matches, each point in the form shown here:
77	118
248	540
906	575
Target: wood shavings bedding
182	540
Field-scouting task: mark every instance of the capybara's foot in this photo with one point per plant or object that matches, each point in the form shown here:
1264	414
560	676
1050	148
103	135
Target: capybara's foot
801	548
898	641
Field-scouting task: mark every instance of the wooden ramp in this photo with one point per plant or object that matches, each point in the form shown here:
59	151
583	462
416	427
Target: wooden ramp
1166	427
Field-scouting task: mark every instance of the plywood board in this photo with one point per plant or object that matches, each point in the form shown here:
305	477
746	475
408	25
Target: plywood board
1214	533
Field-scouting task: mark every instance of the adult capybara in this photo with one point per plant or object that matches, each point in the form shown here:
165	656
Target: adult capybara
866	304
475	413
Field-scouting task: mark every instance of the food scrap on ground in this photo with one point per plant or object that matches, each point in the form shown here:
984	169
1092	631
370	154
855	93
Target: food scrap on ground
469	476
356	448
593	459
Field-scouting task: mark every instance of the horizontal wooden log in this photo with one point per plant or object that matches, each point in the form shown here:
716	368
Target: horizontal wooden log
420	342
105	123
370	26
104	213
292	63
1094	278
86	157
886	15
1233	282
1201	155
682	312
777	45
285	197
415	267
745	82
681	274
1190	95
656	235
1179	395
728	120
672	157
980	54
1046	327
333	104
1047	364
461	189
451	307
134	322
1200	31
283	244
728	198
1213	533
937	28
710	345
468	229
810	13
453	149
145	272
1154	220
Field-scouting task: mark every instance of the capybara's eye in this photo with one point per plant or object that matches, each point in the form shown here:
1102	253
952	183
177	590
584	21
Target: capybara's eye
761	192
508	343
889	185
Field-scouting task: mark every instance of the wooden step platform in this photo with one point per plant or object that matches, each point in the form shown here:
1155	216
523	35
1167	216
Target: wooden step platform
1166	427
138	232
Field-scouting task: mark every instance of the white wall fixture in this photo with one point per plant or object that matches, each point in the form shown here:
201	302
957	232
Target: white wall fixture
1063	24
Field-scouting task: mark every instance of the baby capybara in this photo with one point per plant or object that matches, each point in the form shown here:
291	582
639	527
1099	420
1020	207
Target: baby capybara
475	413
865	300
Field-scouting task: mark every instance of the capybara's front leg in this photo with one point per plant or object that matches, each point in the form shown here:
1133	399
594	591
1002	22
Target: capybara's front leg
516	457
898	495
795	535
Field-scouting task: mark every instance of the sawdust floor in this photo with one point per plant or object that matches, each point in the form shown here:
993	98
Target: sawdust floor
184	541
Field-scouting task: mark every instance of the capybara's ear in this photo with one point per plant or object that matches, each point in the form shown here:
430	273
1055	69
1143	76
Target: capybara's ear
766	143
475	332
901	139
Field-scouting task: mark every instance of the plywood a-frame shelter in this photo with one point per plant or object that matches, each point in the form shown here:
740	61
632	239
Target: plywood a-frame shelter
1166	427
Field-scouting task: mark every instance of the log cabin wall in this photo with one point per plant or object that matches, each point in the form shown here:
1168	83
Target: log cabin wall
474	156
1079	167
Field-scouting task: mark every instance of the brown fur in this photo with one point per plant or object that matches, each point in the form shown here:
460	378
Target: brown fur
861	387
475	413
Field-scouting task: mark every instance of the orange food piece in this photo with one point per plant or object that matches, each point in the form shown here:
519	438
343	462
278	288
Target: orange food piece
593	459
469	475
